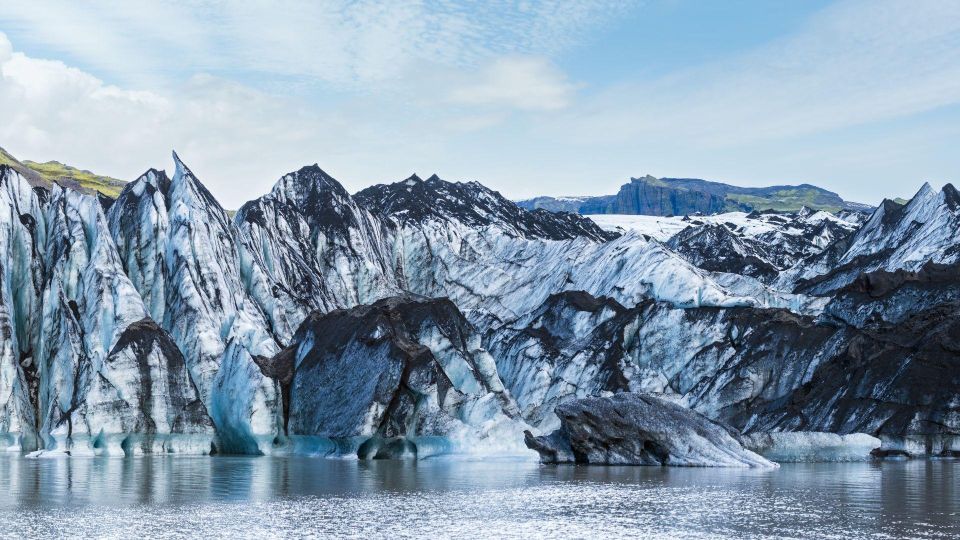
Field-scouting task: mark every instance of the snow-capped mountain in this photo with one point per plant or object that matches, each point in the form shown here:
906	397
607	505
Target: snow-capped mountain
426	316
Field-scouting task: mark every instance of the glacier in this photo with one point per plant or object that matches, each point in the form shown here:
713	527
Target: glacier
426	316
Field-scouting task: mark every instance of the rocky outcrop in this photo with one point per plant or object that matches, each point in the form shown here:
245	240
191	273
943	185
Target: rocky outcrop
653	197
53	173
679	196
639	429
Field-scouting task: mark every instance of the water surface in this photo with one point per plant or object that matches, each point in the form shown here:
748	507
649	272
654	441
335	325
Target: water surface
237	497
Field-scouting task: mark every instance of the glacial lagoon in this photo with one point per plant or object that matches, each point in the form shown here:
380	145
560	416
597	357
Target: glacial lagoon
296	497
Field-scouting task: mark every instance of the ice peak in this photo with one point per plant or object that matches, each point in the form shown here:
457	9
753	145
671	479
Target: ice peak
313	176
313	170
182	172
307	184
10	176
186	186
925	192
924	202
951	196
181	167
7	172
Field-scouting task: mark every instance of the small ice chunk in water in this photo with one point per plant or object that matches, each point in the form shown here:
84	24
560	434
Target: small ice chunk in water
48	454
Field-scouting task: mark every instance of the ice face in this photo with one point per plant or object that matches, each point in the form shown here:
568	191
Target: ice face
106	375
107	371
210	317
155	323
395	376
893	237
72	316
807	446
22	235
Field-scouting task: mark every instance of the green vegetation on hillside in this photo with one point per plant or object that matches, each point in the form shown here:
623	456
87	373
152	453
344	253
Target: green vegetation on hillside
785	200
45	174
7	159
65	175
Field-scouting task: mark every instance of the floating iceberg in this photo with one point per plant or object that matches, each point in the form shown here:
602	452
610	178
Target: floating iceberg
640	429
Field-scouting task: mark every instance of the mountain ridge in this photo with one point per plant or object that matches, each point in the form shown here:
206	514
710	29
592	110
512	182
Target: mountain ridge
679	196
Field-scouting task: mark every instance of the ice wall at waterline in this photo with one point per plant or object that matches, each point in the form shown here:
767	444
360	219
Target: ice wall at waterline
397	377
92	371
192	244
22	236
156	317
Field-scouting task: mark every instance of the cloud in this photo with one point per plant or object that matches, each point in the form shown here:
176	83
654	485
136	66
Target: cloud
853	63
242	137
237	138
352	44
43	98
517	82
6	48
246	91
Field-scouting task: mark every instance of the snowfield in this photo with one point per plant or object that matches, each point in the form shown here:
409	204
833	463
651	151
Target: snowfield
662	228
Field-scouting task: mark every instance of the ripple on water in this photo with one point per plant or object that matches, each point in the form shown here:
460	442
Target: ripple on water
301	497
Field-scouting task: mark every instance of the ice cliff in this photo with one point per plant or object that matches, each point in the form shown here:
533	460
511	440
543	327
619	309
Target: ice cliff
425	316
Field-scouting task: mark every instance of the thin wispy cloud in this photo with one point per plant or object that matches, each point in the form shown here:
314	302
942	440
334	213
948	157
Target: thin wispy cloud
336	42
516	82
506	92
286	82
854	63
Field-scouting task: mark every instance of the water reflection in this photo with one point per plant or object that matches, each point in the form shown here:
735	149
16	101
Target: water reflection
224	496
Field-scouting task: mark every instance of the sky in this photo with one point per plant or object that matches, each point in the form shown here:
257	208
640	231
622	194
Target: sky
529	97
